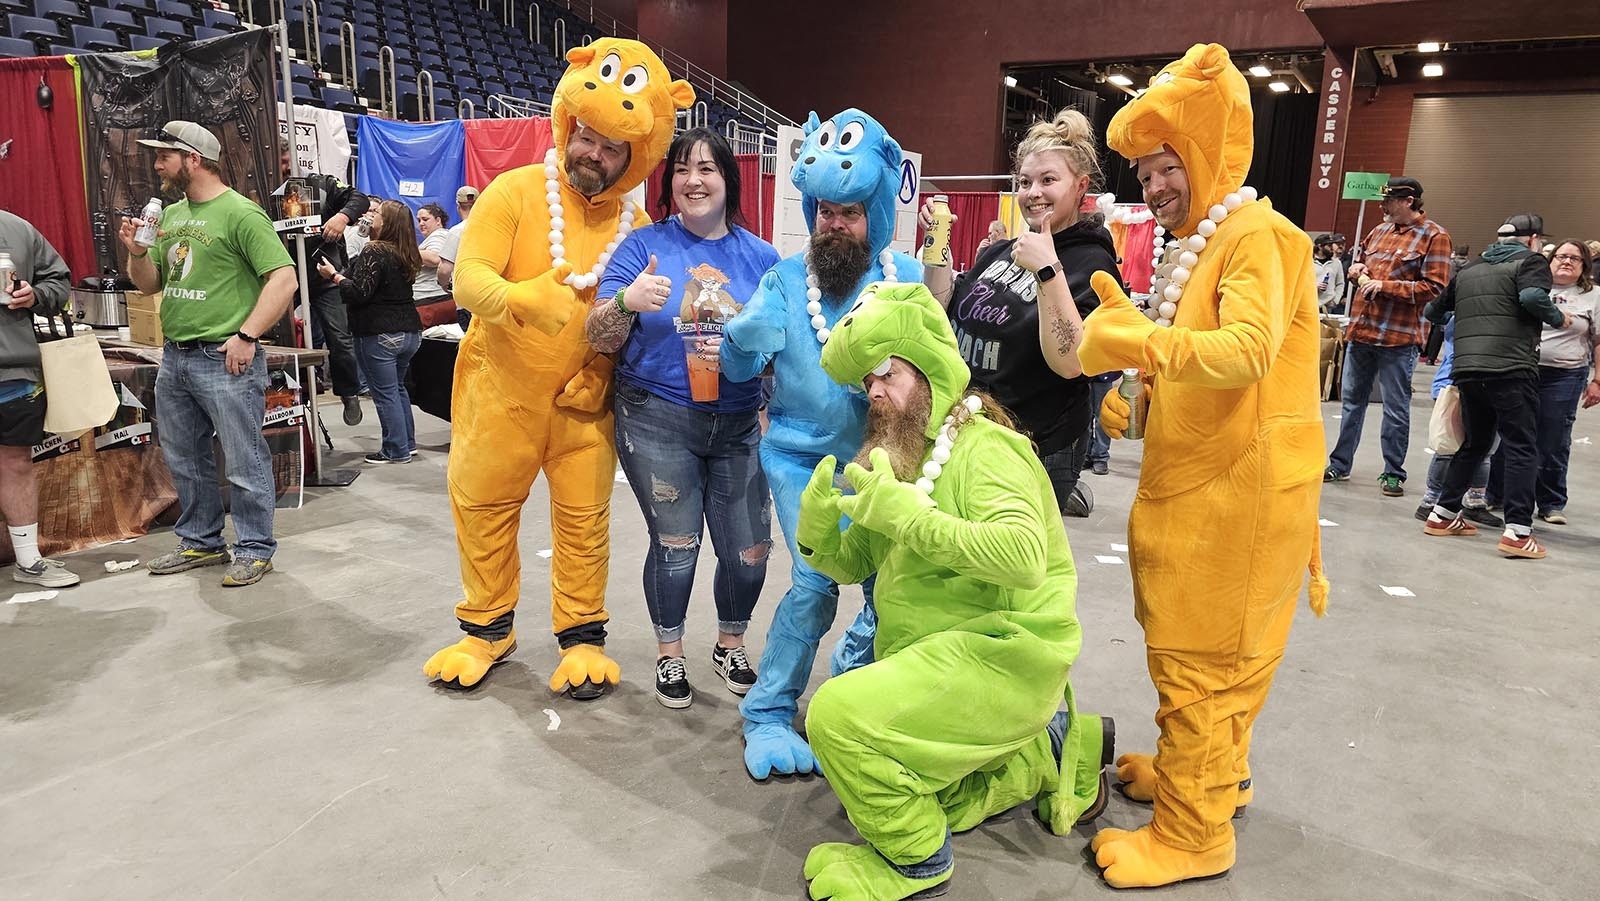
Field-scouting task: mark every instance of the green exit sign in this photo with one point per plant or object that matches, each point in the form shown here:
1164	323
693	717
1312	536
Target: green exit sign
1364	185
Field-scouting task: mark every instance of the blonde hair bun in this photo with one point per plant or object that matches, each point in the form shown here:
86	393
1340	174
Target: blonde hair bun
1069	133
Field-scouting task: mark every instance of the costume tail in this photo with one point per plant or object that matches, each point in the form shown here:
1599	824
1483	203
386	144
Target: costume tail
1319	581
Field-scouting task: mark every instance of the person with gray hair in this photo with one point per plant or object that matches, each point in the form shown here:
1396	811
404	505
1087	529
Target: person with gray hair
1500	300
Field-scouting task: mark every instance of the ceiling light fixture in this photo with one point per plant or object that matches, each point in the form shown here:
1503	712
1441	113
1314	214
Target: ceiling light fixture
1279	87
1432	70
1428	47
1260	71
1119	79
1010	82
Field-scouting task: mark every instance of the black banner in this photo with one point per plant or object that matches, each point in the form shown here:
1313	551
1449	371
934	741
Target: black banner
225	84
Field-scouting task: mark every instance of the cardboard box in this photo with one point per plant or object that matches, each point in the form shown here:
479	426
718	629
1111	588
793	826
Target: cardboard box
144	318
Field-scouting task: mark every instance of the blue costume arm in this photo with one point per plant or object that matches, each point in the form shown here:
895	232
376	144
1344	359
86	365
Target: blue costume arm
753	337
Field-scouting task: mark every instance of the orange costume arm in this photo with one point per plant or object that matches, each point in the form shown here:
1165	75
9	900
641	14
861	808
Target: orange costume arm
543	301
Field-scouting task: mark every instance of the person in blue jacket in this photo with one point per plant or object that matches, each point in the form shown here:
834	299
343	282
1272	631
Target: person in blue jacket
848	173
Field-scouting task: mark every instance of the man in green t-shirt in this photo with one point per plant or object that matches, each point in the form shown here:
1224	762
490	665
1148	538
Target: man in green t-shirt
226	279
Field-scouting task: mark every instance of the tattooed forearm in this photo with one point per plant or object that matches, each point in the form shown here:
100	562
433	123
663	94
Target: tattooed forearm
607	326
1066	334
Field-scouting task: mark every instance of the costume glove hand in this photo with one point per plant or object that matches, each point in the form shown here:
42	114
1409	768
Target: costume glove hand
818	528
1114	412
545	302
776	748
1114	334
590	389
882	502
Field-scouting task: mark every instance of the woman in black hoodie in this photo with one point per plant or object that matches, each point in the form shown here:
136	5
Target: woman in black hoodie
1018	312
385	323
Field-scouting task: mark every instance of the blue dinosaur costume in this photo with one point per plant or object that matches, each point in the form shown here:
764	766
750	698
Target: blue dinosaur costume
848	159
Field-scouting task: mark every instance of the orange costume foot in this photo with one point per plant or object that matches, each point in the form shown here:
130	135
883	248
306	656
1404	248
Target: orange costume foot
465	663
1140	860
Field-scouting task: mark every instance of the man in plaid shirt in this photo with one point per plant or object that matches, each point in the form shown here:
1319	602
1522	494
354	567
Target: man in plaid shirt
1405	263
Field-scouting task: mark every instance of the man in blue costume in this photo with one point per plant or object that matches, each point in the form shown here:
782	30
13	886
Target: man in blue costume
848	173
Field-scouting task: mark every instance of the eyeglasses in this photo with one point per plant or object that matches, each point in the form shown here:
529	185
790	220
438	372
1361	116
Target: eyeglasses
1566	258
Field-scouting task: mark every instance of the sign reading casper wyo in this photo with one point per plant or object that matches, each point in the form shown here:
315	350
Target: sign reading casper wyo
791	231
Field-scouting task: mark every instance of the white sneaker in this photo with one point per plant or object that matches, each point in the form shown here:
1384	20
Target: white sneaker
46	572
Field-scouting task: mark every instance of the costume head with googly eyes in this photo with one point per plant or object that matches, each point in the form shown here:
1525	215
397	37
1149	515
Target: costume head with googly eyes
850	158
621	89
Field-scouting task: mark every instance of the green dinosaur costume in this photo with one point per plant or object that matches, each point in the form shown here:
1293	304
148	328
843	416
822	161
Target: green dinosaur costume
957	720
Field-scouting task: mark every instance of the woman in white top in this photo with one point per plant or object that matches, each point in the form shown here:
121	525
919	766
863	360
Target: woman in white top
431	221
1566	358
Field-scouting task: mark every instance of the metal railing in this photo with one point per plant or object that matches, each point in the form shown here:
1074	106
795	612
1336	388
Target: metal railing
347	55
535	24
745	140
388	87
506	106
425	108
558	38
466	109
703	80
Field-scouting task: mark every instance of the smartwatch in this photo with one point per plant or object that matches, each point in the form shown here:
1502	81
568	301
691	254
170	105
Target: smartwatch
246	338
1047	273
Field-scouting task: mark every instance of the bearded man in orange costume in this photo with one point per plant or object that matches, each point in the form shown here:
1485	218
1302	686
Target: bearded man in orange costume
530	394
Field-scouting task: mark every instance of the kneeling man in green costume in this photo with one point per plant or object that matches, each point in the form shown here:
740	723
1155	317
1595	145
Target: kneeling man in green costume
959	719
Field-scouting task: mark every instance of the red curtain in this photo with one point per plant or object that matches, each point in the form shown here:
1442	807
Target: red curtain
974	210
494	146
755	204
41	174
1135	246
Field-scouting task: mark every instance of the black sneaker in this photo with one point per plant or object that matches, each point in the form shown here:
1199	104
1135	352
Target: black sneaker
1482	517
379	458
672	683
733	664
352	410
1423	510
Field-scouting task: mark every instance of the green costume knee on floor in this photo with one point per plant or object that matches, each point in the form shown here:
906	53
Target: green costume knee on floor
959	719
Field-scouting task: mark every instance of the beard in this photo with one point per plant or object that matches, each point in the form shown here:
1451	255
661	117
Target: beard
588	178
176	186
901	432
839	260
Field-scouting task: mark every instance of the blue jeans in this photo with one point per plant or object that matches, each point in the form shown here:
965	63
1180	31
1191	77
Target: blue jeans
384	361
1560	390
1391	367
1100	442
690	468
196	397
1440	464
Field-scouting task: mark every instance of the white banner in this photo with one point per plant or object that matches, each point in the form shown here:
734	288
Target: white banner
791	231
320	141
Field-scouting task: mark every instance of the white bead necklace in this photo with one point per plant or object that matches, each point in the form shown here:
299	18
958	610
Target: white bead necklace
558	227
814	293
1175	260
943	443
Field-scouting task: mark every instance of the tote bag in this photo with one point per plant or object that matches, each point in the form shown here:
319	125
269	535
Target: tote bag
77	384
1445	429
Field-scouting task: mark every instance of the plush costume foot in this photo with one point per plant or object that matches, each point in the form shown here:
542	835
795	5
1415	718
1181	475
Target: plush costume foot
773	748
465	663
585	672
846	872
1139	860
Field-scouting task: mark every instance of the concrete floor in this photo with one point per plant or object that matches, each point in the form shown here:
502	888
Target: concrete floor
166	738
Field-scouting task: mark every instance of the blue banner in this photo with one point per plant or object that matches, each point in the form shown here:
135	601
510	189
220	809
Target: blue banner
413	163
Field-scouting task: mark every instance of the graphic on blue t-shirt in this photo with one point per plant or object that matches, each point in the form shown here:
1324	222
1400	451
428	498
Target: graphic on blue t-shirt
712	279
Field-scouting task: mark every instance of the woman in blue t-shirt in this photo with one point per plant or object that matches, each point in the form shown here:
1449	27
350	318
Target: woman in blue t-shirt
692	461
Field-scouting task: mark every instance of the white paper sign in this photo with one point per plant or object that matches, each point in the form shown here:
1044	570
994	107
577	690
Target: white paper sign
411	188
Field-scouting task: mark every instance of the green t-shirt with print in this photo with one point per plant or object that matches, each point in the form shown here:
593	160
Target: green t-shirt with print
212	258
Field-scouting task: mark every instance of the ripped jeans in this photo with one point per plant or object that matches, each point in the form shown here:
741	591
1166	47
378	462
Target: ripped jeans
689	469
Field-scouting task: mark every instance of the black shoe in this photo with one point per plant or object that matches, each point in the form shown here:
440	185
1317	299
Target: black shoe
1423	510
352	410
378	458
672	683
733	664
1100	467
1482	517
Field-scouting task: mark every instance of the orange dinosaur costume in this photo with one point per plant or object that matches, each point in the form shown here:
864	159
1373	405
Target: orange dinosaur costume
1224	525
530	393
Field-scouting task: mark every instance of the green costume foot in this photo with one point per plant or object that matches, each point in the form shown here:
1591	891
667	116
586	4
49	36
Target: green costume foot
846	872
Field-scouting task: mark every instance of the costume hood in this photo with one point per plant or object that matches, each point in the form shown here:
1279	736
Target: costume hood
621	89
891	319
1200	107
850	159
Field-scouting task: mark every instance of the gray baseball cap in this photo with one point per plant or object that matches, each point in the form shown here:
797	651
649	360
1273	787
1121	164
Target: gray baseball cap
186	137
